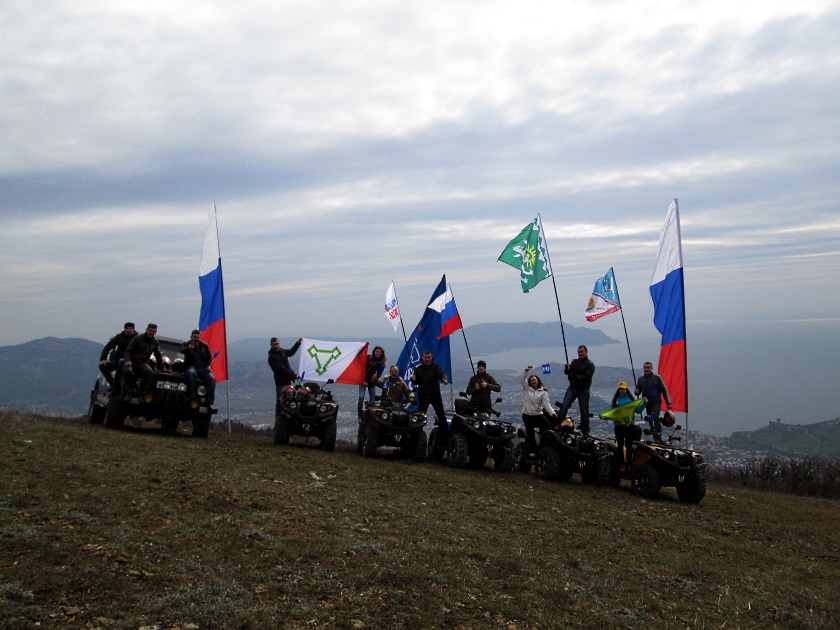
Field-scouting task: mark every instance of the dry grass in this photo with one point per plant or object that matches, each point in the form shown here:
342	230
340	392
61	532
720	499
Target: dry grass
128	529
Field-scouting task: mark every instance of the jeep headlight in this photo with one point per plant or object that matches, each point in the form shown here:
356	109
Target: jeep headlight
201	390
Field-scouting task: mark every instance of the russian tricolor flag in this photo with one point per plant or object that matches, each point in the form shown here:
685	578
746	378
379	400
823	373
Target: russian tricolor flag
211	322
444	303
666	289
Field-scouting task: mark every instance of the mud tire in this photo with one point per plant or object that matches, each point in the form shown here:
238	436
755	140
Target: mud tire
115	415
328	441
692	489
458	451
646	481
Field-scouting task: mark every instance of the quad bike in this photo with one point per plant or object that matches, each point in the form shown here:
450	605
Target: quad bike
658	464
563	451
306	410
385	424
475	436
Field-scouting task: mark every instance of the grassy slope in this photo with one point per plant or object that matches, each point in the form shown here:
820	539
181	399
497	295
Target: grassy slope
122	529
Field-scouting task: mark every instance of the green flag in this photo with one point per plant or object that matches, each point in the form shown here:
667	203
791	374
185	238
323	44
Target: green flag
528	253
623	414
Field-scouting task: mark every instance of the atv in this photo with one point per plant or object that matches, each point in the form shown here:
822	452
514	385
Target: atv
663	464
306	410
385	424
165	401
564	450
475	436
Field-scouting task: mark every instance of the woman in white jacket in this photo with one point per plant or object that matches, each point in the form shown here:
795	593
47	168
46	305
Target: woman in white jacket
534	404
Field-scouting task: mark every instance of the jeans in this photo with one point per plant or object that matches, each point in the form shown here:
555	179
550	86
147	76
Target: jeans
116	367
533	422
436	403
209	381
582	396
371	390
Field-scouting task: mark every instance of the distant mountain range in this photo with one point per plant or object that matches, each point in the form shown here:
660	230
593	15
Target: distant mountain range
53	376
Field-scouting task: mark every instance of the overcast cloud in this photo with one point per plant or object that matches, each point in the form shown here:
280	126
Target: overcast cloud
350	144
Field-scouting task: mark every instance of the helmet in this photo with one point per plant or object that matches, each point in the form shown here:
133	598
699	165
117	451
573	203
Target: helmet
304	392
289	392
166	361
567	425
668	419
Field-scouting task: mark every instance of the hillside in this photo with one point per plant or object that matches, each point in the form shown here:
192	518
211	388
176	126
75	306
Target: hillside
819	438
113	529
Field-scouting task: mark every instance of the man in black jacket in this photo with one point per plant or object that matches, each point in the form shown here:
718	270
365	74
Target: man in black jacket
118	344
278	361
652	388
198	360
427	377
138	356
580	372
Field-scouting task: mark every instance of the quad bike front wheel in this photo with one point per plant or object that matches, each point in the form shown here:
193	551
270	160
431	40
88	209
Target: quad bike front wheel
328	441
503	458
646	481
692	489
458	452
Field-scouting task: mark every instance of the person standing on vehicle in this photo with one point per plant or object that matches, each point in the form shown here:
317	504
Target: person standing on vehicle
534	407
427	377
396	391
624	432
198	360
278	361
652	388
580	372
480	386
375	366
138	356
118	343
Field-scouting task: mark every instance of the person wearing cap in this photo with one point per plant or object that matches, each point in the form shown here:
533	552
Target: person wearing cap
109	362
480	386
624	433
652	388
138	356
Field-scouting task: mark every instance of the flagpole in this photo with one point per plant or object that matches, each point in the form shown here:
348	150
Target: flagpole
554	284
465	335
618	298
682	271
227	380
405	338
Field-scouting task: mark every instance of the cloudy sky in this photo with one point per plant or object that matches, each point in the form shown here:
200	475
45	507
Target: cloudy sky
350	144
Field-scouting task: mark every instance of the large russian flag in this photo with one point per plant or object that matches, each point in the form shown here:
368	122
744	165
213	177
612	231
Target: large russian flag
211	321
666	289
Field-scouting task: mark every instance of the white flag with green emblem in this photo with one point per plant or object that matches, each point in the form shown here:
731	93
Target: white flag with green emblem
528	253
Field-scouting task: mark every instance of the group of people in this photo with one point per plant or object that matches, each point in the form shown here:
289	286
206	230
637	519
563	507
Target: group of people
536	407
140	354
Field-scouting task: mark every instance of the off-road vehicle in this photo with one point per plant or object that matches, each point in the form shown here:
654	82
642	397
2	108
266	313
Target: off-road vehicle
100	395
165	401
564	451
476	435
385	424
656	465
306	410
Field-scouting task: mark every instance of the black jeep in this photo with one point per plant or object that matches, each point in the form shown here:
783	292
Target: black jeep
306	410
476	435
386	424
165	401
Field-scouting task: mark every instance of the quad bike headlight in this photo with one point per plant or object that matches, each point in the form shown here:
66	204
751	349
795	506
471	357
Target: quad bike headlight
293	405
384	415
322	408
148	398
201	390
